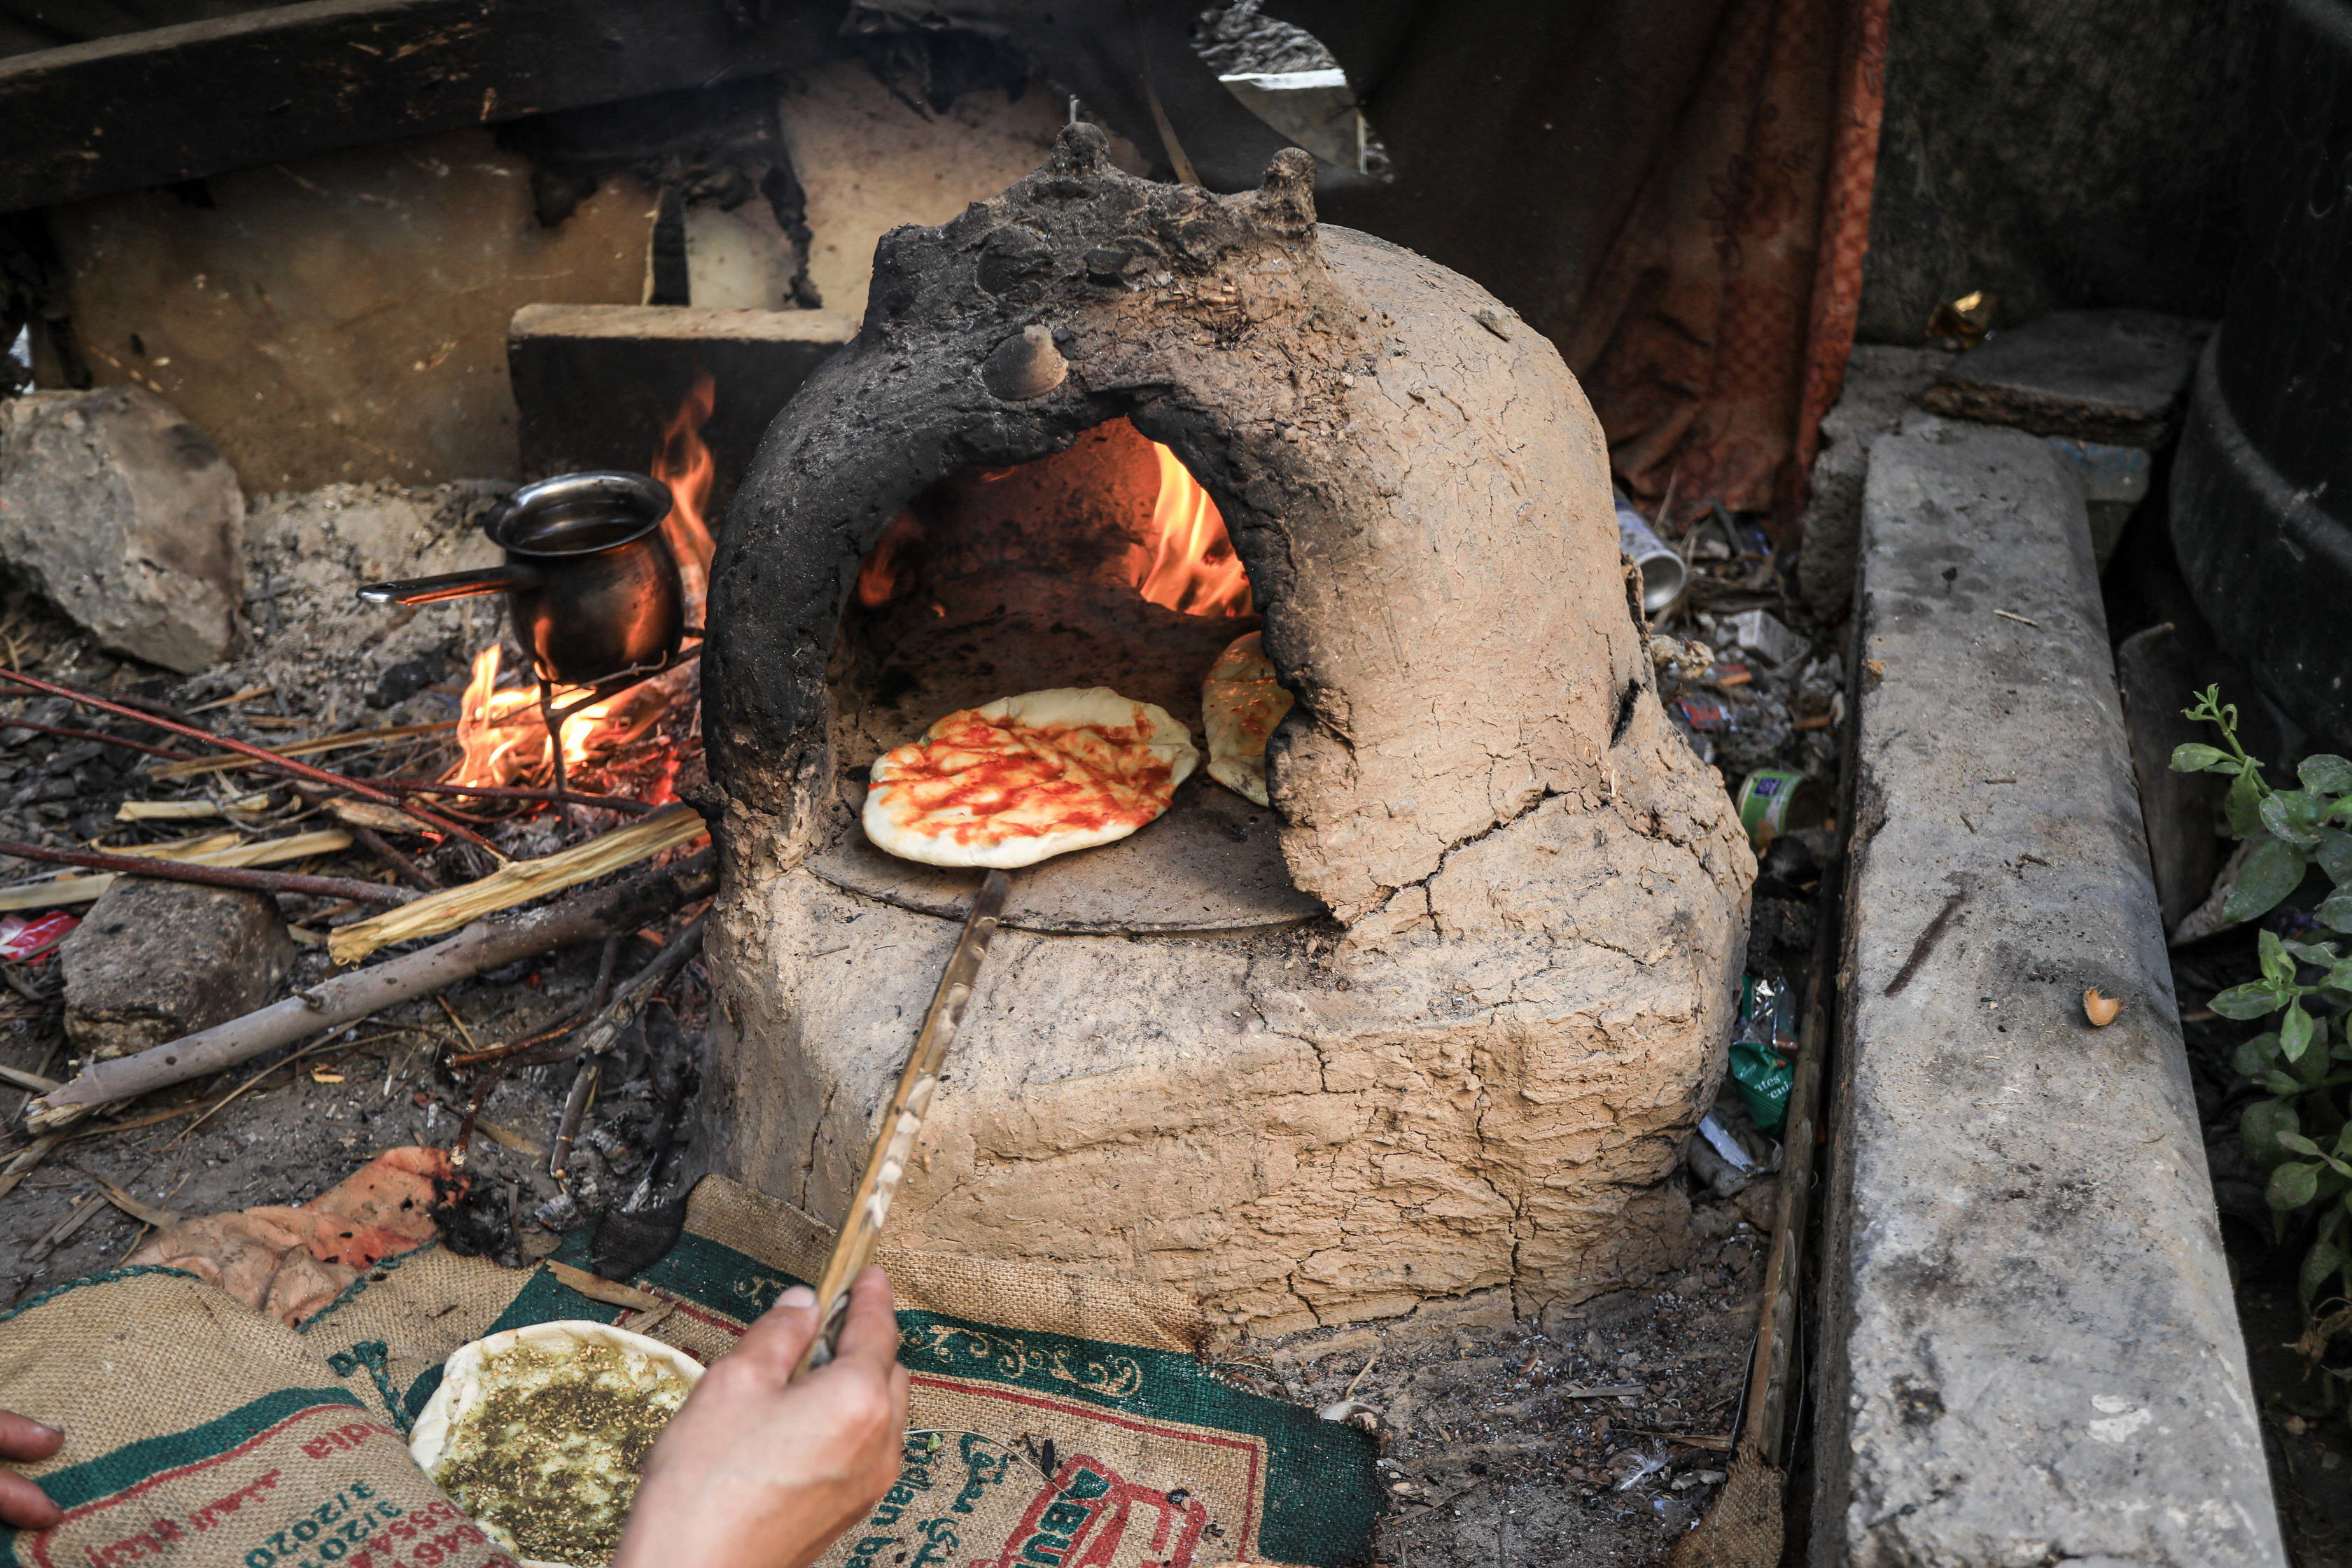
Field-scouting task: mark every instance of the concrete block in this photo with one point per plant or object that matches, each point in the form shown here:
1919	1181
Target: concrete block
154	960
2120	377
595	384
124	515
1882	386
2031	1353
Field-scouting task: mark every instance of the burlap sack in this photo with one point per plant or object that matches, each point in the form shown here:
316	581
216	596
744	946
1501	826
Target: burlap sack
1060	1421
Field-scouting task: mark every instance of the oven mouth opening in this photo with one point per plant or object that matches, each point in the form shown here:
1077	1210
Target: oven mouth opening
1105	564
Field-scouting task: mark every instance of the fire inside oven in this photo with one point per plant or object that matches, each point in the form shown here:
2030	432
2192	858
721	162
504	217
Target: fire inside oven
1106	564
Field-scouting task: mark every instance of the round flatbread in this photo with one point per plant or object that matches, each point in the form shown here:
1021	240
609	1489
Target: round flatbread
1023	779
541	1433
1240	706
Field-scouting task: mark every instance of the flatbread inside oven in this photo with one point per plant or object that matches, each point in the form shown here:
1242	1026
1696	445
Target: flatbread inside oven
1021	779
1240	706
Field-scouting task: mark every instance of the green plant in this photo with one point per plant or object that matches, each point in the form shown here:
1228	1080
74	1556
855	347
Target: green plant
2301	1133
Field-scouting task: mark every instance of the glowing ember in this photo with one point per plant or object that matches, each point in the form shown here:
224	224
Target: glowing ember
1190	564
502	739
885	573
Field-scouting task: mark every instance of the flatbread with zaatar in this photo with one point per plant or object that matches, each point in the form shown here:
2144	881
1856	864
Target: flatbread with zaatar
1021	779
541	1434
1240	706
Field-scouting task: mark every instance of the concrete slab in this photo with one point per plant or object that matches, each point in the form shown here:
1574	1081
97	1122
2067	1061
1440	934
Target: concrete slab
2030	1353
2117	376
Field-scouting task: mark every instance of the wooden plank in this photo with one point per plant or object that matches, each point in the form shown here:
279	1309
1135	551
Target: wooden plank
181	103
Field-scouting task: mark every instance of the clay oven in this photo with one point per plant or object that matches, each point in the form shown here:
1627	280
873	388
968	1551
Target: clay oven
1431	1026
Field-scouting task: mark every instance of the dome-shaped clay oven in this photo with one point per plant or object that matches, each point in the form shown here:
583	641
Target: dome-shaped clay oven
1481	1075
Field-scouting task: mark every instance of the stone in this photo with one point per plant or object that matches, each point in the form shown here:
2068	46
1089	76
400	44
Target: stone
121	513
2030	1348
1470	1084
1881	388
153	960
2118	377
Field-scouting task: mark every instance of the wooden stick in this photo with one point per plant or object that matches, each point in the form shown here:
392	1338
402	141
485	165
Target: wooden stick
204	874
164	751
407	870
192	766
610	1022
885	1163
347	998
1776	1328
512	792
302	770
517	882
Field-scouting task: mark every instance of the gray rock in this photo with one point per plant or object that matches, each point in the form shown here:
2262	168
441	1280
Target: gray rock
2116	377
2030	1352
154	960
1881	385
121	513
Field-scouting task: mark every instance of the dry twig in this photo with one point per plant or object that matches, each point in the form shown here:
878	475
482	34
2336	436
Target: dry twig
517	882
79	889
345	999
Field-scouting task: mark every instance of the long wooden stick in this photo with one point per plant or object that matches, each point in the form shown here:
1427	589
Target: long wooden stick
885	1163
213	875
302	770
1776	1328
347	998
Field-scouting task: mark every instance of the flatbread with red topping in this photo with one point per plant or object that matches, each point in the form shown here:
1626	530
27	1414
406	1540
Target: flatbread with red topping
1023	779
1240	706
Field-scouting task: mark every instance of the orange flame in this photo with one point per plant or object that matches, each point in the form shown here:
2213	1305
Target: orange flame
885	574
684	463
501	735
1190	564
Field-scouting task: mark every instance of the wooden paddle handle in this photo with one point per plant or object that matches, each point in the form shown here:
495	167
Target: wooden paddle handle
885	1163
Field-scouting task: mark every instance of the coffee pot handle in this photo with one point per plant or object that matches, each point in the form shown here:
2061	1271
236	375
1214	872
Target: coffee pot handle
451	586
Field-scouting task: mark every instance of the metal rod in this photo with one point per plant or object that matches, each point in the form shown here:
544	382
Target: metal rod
885	1163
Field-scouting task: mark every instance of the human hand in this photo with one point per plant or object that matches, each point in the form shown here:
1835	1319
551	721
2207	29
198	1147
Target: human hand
754	1474
23	1504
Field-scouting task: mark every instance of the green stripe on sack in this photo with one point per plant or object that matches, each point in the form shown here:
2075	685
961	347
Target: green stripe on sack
1321	1495
134	1462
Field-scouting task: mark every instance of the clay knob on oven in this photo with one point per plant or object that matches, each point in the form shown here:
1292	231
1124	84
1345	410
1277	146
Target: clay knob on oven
1025	367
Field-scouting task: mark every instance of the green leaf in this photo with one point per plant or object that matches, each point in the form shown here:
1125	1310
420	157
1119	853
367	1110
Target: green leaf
2335	855
2317	1264
2292	816
2295	1033
2318	953
2334	912
2244	804
2193	758
2272	868
2252	999
2269	951
2301	1146
2323	773
2257	1055
2293	1185
2278	1083
2260	1126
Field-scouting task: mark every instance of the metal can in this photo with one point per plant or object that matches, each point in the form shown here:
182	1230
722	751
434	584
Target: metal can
1661	566
1771	801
